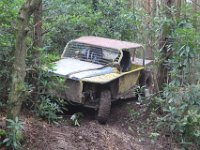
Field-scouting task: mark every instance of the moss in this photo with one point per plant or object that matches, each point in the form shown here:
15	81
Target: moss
2	136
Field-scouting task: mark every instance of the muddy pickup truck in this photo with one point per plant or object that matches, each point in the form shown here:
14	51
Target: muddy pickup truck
98	71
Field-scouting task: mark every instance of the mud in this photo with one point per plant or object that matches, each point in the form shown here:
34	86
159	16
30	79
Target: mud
122	132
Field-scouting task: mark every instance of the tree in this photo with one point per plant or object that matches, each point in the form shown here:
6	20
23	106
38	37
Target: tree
131	4
148	9
178	5
37	20
194	8
164	42
154	8
18	88
37	44
147	6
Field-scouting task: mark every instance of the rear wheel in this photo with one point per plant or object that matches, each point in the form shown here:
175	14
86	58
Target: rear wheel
104	106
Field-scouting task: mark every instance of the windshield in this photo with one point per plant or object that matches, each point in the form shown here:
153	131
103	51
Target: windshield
90	53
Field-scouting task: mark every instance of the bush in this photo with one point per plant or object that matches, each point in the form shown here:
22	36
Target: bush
180	99
14	135
48	110
182	112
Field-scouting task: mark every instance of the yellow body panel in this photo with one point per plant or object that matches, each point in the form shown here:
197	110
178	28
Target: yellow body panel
124	80
127	81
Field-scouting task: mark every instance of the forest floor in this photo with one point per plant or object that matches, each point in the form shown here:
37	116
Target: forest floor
125	130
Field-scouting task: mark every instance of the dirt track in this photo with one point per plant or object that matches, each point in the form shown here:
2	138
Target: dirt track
120	133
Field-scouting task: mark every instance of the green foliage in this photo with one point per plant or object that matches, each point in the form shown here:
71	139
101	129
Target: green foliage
180	99
14	135
2	136
133	114
48	110
1	105
8	11
154	136
184	64
49	107
66	20
139	92
109	20
2	132
182	108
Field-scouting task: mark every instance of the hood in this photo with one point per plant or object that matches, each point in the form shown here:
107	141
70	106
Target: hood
68	66
93	73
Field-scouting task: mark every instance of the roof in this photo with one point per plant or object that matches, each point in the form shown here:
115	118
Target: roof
106	42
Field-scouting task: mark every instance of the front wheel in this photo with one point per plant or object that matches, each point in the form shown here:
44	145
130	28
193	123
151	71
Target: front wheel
104	106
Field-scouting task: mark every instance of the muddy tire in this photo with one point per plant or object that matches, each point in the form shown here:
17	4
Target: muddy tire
104	106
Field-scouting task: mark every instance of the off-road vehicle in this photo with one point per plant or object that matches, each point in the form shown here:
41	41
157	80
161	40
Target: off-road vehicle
99	70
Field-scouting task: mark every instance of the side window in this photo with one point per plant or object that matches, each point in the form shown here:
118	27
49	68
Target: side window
126	61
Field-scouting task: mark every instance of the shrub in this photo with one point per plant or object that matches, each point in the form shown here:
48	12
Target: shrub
182	112
48	110
14	135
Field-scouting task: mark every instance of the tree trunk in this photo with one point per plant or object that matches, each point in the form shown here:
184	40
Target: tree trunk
131	5
194	8
163	45
37	20
148	51
154	8
37	44
18	89
147	6
178	6
198	11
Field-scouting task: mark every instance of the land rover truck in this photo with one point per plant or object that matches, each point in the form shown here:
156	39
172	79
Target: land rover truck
98	71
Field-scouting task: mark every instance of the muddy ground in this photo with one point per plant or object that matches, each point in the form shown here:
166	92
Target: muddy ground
126	130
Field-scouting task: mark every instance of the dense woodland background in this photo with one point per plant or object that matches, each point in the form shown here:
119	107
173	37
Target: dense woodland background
33	33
